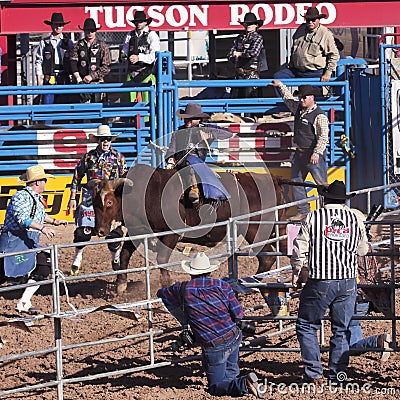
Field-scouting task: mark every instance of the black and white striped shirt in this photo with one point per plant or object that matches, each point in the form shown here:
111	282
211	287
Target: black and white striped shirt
332	237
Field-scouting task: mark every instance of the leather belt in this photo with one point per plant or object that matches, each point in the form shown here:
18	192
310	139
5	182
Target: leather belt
243	71
303	150
221	339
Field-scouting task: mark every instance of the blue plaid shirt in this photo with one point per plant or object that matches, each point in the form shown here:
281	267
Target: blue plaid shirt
210	304
18	212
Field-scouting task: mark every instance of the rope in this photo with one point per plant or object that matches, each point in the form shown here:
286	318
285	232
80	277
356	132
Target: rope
162	149
62	278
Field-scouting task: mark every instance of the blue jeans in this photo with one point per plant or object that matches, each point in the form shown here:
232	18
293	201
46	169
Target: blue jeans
301	166
221	365
316	298
290	73
357	341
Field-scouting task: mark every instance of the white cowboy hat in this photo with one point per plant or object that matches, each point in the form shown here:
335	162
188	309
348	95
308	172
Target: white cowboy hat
34	173
198	265
103	131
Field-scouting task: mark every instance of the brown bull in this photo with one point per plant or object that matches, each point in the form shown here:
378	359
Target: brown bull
150	201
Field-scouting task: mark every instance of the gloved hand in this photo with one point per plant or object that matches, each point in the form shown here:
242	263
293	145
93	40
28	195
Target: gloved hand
170	166
171	163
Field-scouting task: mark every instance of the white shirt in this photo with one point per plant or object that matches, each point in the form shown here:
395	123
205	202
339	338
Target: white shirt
154	42
58	53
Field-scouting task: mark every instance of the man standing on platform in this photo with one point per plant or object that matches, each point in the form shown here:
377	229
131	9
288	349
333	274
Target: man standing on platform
52	61
90	60
139	49
311	135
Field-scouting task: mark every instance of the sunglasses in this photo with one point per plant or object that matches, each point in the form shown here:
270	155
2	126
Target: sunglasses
311	19
105	138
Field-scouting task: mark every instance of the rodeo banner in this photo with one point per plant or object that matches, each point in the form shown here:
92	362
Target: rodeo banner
117	16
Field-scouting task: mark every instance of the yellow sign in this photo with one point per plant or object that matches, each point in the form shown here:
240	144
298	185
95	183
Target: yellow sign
57	195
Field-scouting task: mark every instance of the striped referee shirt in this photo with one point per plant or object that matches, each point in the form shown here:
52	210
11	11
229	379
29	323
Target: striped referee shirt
332	237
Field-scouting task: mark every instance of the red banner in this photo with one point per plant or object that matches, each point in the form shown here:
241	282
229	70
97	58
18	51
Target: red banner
196	16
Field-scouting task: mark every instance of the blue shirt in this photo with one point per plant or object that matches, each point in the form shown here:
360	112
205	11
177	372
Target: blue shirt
19	209
210	304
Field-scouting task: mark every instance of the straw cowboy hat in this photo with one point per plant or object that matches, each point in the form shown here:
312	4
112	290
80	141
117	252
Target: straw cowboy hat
198	265
34	173
56	18
251	19
89	25
102	132
313	13
336	190
192	111
306	90
140	16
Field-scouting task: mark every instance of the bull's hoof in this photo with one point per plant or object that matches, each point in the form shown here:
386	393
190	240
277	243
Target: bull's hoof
74	270
122	285
116	264
165	281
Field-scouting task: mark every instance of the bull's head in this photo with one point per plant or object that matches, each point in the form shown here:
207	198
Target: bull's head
107	202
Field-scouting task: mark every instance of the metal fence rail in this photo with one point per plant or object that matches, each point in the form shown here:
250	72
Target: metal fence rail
232	251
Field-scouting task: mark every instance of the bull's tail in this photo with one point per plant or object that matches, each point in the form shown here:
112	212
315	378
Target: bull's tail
283	181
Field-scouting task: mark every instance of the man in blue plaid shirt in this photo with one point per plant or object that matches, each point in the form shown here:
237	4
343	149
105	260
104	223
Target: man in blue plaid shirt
212	311
23	225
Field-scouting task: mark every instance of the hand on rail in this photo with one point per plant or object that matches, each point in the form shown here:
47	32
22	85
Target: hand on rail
275	82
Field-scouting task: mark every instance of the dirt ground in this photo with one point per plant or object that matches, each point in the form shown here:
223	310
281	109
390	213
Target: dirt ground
279	370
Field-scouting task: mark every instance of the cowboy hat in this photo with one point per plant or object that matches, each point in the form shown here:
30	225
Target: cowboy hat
193	111
34	173
336	190
140	16
251	19
306	90
89	25
313	13
103	131
56	18
198	265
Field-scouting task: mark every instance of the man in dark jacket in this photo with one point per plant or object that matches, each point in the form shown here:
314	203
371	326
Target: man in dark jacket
52	61
248	55
139	49
90	60
188	151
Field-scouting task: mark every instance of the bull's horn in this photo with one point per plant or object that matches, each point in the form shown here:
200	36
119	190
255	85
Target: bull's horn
114	184
93	183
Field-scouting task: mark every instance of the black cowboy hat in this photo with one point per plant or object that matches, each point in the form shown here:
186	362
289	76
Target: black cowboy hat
89	25
251	19
193	111
56	18
306	90
336	190
140	16
313	13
